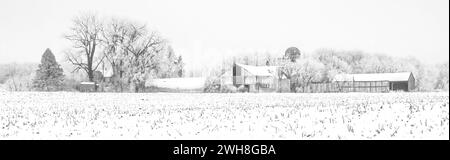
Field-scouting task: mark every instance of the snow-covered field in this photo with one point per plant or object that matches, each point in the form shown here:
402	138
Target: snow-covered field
65	115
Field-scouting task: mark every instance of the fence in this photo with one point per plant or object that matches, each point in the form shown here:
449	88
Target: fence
347	86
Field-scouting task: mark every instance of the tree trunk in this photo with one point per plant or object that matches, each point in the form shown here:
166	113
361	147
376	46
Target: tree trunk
293	86
138	87
14	84
91	76
116	79
91	79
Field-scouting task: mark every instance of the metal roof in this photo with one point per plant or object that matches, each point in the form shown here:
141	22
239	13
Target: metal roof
92	83
402	76
260	70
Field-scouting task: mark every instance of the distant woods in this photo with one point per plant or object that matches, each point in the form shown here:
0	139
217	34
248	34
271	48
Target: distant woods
17	76
46	76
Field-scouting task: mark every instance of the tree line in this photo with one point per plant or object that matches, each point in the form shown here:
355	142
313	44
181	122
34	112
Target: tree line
319	66
134	53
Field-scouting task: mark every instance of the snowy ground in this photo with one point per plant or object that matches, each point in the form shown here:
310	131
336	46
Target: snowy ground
65	115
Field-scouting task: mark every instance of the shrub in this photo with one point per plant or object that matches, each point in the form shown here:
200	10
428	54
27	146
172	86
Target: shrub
211	85
228	89
242	88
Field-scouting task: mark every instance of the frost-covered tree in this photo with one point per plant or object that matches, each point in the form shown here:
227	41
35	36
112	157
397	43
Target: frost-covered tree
113	41
17	77
141	46
49	76
306	71
333	64
443	77
302	72
292	53
169	65
136	54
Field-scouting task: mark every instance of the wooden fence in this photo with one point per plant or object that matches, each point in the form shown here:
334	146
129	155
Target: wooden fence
347	86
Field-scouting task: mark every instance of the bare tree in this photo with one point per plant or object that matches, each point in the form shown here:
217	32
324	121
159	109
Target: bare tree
85	37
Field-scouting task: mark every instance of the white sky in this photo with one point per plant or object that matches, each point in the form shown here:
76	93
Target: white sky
205	30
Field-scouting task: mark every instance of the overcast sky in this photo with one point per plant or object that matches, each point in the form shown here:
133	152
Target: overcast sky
213	29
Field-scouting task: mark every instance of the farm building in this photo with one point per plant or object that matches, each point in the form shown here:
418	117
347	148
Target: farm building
259	78
374	82
403	81
87	87
194	84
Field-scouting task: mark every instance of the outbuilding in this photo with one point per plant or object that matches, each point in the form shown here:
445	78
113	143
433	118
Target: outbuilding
402	81
259	78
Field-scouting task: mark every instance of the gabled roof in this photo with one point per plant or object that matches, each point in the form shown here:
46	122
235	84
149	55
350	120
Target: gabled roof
260	70
402	76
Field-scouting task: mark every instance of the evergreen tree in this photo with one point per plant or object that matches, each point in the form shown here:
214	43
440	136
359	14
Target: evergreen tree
49	76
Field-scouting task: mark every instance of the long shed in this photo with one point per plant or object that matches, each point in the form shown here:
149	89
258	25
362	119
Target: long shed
404	81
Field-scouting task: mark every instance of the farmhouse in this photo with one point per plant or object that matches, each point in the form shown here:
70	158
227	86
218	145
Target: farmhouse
259	78
376	82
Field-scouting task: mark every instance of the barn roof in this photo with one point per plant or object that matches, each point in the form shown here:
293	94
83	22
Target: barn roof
260	70
402	76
